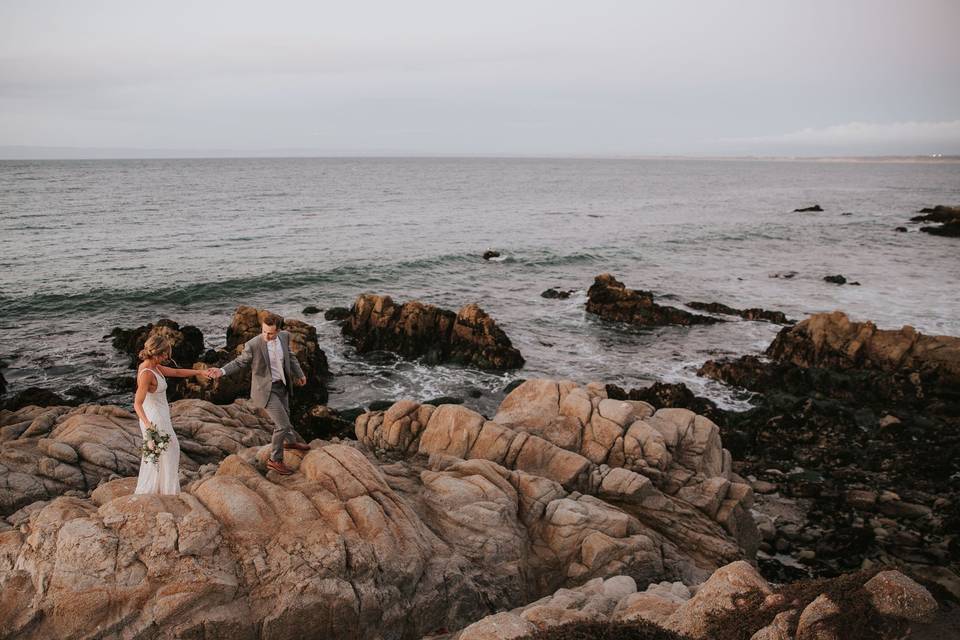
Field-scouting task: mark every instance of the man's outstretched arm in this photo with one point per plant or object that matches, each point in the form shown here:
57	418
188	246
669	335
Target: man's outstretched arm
240	362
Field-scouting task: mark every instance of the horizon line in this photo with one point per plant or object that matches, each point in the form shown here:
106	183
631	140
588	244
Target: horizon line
30	152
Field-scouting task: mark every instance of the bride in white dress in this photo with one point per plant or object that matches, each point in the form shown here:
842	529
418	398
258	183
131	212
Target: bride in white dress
150	403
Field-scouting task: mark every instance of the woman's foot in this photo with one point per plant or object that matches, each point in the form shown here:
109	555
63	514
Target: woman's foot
299	446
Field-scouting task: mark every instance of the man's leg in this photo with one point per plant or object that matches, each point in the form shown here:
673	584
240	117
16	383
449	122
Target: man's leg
278	409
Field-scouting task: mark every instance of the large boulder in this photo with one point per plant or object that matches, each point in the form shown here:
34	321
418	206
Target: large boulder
832	340
612	300
418	330
668	469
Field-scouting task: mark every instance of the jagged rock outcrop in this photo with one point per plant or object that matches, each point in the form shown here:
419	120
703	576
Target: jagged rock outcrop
668	469
756	314
610	299
50	451
735	602
832	340
187	341
418	330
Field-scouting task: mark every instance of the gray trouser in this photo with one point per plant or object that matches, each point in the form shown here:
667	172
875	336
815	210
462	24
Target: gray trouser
278	407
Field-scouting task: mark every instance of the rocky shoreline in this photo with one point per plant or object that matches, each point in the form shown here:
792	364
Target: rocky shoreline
589	503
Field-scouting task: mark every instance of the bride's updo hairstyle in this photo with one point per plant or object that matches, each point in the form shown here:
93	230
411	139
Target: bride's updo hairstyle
154	347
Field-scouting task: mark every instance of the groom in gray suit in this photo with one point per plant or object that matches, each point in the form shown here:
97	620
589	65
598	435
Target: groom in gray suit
274	368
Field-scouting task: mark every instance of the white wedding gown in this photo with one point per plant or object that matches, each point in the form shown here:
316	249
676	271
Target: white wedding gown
163	477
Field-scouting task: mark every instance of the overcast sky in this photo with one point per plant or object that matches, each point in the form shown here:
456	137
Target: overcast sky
757	77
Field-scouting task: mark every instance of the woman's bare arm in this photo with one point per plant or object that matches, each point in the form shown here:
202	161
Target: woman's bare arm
180	373
143	386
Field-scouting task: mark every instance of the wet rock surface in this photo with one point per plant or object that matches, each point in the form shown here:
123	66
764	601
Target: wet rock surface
612	300
776	317
418	330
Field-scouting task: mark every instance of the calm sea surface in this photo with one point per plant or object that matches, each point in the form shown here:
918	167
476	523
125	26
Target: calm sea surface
89	245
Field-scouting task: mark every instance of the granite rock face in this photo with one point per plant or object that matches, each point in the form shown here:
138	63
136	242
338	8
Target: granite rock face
666	469
417	330
612	300
51	451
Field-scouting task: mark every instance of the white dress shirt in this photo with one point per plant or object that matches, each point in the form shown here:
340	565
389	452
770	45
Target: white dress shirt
274	350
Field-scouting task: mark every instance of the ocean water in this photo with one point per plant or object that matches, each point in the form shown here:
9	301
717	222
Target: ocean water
86	246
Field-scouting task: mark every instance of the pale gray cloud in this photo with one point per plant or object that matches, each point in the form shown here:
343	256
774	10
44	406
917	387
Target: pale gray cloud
532	77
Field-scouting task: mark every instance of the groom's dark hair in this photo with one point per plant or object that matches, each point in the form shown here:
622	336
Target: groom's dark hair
273	320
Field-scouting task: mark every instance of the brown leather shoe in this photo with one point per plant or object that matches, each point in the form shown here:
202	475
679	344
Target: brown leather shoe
279	467
299	446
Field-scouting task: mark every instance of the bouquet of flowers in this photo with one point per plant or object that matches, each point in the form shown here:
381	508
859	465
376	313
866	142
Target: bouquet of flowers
154	444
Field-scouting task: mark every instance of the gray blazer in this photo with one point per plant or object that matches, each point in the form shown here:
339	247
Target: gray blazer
256	357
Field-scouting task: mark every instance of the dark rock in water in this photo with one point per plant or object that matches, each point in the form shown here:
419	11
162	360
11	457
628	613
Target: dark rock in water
325	423
350	415
35	396
839	279
815	207
776	317
213	356
557	293
939	213
418	330
950	230
848	413
311	310
336	313
513	385
380	405
473	392
443	400
187	342
786	275
611	300
847	213
3	384
122	384
490	254
82	393
901	229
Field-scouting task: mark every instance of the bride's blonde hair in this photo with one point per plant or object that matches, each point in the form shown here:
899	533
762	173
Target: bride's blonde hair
155	346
